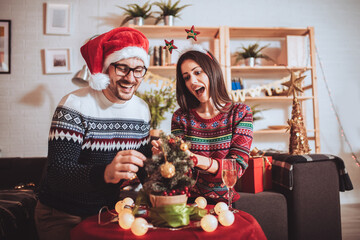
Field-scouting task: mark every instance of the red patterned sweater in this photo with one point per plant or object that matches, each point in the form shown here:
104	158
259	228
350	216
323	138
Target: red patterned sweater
228	135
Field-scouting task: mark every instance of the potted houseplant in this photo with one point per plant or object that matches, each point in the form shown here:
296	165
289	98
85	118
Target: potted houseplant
168	11
159	102
136	13
251	53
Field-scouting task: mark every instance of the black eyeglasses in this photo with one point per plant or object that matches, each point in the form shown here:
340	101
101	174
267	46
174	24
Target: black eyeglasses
123	70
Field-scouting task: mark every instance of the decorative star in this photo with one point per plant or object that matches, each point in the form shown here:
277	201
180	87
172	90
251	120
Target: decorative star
170	45
191	33
294	84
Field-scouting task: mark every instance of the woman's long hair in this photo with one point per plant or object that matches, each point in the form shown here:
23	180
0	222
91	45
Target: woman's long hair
211	67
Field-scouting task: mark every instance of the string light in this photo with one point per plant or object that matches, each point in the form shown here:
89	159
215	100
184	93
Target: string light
335	112
220	206
226	218
201	202
209	223
140	226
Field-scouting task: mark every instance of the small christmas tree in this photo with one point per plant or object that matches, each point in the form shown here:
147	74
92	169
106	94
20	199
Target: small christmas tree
170	172
298	137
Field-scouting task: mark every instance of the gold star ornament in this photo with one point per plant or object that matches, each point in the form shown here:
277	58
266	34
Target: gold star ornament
294	84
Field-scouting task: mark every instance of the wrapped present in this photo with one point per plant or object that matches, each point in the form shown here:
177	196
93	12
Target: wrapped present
257	176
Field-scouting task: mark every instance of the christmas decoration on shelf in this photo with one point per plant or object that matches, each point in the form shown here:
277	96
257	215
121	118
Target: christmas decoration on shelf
240	94
169	172
170	45
191	33
299	144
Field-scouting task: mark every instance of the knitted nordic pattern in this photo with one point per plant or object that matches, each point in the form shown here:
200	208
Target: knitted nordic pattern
80	147
228	135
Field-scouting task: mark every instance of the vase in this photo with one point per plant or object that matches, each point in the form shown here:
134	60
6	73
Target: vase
169	20
159	201
250	62
139	21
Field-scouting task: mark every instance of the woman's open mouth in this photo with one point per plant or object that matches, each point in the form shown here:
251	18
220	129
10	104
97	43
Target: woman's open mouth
200	90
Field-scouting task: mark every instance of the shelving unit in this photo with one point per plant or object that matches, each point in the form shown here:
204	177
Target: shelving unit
275	72
219	40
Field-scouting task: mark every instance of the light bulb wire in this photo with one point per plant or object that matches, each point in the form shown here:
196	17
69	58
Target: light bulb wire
334	109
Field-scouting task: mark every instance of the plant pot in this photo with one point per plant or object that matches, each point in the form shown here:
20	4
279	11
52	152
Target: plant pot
250	62
159	201
169	20
139	21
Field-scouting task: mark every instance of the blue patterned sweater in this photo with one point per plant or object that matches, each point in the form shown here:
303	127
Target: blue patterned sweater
86	132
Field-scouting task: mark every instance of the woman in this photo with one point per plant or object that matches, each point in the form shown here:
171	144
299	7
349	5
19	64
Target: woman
216	127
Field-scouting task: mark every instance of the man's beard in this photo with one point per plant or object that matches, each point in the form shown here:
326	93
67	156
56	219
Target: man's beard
116	90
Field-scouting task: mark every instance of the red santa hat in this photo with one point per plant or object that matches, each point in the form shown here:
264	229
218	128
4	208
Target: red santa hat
119	43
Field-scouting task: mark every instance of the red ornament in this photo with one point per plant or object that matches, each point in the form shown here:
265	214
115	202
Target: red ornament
173	191
170	45
188	194
186	189
165	193
182	192
191	33
171	141
170	194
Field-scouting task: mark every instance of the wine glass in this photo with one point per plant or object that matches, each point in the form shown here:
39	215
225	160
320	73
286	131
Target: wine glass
229	176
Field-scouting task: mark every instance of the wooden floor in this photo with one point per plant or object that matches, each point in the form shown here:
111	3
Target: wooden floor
350	221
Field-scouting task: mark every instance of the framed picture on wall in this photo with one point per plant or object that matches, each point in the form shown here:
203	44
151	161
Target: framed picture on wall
57	18
5	46
57	60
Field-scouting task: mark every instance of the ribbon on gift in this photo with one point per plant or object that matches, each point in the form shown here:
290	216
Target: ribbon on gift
175	215
256	153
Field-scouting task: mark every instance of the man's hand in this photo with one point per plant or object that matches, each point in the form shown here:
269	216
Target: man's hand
124	166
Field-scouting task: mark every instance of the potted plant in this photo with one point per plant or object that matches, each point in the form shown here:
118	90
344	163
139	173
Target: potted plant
136	13
159	102
251	53
168	11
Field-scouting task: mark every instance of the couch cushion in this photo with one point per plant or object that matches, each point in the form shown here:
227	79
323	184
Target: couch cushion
270	210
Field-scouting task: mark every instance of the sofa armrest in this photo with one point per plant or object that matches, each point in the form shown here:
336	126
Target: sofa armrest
314	202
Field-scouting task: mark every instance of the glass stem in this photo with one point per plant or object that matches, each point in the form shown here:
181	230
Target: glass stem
229	198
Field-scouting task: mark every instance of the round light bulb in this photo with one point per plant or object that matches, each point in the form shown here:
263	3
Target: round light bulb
226	218
139	227
220	206
201	202
128	201
126	220
119	206
209	223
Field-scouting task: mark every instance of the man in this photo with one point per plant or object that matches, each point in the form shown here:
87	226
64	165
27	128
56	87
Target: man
98	136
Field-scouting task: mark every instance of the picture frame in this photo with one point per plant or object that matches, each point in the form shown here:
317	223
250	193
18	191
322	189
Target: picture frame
57	18
5	46
57	60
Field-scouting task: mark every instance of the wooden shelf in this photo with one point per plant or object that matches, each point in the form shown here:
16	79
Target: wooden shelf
247	32
163	70
282	131
277	98
153	31
270	71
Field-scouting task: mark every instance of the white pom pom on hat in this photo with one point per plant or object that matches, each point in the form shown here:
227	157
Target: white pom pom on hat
115	45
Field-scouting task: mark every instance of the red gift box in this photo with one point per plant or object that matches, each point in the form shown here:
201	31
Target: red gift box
257	176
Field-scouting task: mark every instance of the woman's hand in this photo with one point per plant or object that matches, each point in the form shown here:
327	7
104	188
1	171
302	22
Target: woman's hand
156	149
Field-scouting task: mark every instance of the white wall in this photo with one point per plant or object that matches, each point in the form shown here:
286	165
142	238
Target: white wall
28	97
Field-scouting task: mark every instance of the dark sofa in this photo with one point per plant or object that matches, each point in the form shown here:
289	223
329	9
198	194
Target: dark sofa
309	210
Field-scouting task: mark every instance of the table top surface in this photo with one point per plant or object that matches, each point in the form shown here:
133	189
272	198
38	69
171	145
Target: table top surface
245	226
